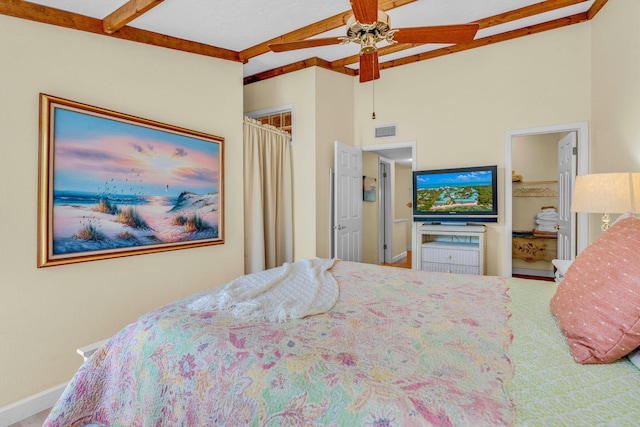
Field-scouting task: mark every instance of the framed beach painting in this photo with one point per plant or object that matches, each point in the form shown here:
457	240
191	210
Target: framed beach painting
113	185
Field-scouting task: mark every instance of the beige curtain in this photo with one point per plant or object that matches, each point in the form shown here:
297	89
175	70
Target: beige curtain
268	197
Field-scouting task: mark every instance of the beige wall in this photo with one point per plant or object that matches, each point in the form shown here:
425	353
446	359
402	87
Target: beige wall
334	122
45	314
615	126
458	107
399	239
535	157
615	123
371	212
403	194
323	108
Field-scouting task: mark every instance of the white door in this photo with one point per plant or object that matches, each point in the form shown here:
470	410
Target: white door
566	178
347	191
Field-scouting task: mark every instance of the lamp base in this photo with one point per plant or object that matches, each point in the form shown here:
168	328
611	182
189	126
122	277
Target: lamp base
605	222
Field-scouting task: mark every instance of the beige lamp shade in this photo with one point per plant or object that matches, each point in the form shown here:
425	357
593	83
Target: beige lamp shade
606	193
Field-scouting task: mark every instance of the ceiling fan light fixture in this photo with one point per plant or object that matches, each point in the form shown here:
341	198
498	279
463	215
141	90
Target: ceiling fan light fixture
368	26
368	43
367	35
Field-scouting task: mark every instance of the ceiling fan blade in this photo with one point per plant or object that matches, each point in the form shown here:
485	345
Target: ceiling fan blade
365	11
369	67
303	44
437	34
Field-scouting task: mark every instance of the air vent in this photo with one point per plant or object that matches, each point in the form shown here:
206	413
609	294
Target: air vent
386	131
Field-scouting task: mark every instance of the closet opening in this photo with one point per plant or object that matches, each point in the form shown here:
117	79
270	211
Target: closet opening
540	169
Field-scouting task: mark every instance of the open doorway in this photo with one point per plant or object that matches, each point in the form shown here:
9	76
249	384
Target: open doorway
537	205
547	186
394	159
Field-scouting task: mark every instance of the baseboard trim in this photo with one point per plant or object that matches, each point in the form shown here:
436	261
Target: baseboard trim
399	257
29	406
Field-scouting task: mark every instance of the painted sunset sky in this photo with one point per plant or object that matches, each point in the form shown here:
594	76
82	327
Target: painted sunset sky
99	155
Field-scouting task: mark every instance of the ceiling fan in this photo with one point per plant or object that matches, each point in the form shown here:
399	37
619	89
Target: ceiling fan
368	26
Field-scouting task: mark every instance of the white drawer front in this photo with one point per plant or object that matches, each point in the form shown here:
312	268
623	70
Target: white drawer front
450	268
451	256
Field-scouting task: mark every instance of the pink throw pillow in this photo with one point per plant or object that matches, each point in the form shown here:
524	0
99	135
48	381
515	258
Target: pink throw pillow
597	305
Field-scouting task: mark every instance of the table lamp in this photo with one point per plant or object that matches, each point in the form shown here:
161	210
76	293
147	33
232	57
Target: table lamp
606	193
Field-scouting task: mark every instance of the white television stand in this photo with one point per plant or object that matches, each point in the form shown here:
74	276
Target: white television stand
451	248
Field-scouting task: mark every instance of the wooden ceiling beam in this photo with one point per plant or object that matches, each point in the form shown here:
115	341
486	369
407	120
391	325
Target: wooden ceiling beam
314	29
48	15
297	66
502	18
127	13
510	35
527	11
595	8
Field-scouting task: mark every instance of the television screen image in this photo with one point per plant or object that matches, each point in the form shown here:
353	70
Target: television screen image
458	195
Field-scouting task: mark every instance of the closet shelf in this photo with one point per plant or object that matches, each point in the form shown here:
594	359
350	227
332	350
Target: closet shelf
535	189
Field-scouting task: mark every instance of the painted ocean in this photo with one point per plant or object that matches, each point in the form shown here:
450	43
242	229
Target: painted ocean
83	198
85	221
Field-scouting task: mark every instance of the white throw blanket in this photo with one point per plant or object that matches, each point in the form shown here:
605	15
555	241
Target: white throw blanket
293	291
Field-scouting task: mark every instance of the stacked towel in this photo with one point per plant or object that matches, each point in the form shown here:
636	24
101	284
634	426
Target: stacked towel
546	220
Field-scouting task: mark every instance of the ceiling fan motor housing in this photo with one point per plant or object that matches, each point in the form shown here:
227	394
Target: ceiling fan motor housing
367	35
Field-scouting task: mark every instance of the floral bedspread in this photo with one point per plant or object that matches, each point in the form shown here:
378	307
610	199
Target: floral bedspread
399	348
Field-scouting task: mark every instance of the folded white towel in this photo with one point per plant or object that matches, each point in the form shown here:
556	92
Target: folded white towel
546	222
547	215
546	229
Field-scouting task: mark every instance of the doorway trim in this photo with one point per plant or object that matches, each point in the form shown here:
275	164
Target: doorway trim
582	168
385	212
393	146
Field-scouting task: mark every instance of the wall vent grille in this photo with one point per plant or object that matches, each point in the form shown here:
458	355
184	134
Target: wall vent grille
386	131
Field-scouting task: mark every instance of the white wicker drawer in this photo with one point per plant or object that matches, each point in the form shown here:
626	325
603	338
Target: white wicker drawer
450	268
451	256
454	249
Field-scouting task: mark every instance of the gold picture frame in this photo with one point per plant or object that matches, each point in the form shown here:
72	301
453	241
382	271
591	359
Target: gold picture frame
113	185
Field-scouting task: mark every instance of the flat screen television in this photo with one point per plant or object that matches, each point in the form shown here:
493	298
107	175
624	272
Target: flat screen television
443	196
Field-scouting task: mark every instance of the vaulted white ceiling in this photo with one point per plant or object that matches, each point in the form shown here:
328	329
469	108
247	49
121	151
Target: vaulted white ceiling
241	25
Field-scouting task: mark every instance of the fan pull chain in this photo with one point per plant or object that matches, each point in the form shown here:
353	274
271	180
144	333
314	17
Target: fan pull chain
373	107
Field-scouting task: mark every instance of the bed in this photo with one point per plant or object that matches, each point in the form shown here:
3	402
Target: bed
399	348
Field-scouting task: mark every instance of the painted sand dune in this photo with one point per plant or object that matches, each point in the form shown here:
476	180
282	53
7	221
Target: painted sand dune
85	222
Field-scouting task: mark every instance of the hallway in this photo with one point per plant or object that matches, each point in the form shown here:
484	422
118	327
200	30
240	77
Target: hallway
403	263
